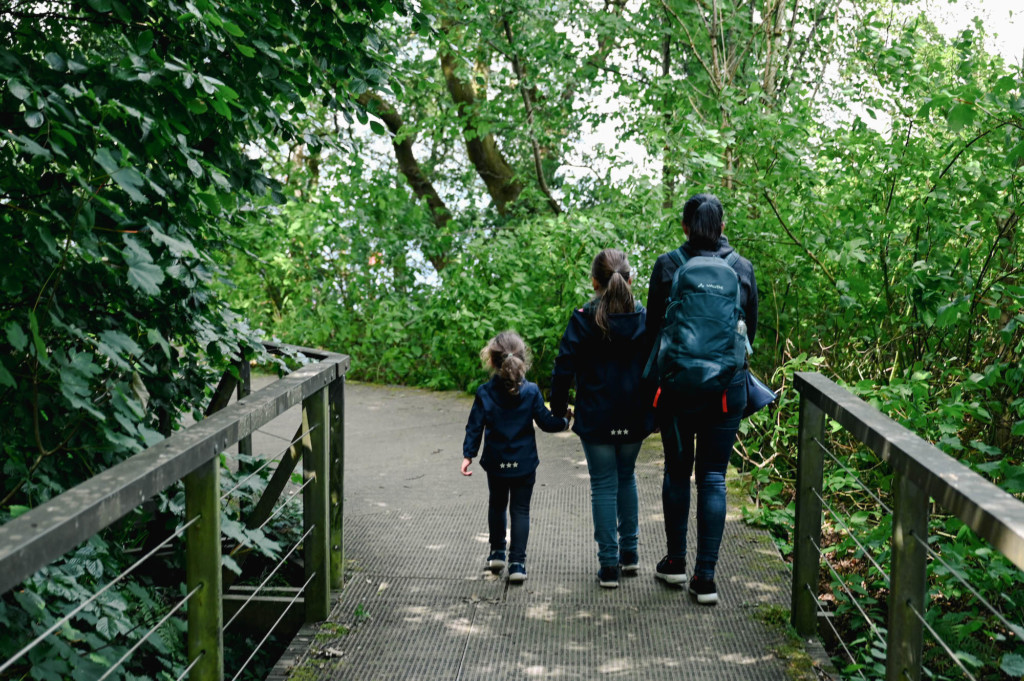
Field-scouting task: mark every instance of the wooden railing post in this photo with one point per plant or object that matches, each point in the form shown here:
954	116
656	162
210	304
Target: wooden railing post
202	569
316	505
243	391
909	580
807	531
337	480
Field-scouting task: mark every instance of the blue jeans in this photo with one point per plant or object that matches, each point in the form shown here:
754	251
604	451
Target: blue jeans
613	498
513	494
698	432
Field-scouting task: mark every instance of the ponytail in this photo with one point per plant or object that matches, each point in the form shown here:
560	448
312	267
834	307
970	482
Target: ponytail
610	270
703	215
507	356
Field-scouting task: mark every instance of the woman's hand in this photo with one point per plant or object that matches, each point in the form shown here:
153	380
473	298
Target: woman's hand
465	465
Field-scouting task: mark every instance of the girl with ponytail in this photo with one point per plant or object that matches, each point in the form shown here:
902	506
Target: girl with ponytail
603	351
502	416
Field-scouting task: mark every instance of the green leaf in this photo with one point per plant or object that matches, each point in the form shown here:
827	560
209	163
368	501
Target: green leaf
55	61
245	50
16	336
121	343
144	43
6	378
143	274
233	29
1012	664
18	89
378	128
1015	155
960	116
101	5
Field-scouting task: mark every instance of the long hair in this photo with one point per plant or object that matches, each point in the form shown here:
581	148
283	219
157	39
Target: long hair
614	295
703	215
507	356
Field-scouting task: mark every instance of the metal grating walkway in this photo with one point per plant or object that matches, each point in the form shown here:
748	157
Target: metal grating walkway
418	605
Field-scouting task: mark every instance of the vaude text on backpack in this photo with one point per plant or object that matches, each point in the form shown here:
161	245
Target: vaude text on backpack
704	337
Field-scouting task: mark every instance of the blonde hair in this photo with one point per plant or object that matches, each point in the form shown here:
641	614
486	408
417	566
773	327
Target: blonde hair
507	356
610	270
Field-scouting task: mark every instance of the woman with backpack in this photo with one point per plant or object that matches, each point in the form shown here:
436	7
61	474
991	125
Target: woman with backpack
698	427
604	349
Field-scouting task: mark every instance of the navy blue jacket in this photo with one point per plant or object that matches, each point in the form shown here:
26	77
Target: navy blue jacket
612	405
505	423
661	285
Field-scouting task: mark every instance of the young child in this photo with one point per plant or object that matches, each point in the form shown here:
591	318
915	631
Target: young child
503	415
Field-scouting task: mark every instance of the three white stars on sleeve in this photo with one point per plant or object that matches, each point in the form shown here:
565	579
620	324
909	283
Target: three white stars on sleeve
511	464
621	431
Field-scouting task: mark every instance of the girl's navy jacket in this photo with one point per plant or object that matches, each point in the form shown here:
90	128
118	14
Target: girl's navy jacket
613	405
505	423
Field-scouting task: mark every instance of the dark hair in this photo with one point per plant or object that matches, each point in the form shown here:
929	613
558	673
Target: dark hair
507	355
703	215
611	271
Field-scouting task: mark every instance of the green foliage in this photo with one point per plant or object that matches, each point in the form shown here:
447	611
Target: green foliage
129	137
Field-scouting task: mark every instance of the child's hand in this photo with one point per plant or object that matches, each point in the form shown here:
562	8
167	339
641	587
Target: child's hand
465	466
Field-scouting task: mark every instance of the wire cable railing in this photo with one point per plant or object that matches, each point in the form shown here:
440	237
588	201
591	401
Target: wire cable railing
920	474
43	535
853	599
266	464
259	646
163	620
825	616
92	599
277	567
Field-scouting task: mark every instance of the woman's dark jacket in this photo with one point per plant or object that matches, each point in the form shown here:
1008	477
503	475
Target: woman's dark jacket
613	406
661	283
505	423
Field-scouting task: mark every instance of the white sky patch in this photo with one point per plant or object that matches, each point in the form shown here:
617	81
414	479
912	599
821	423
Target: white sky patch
1003	19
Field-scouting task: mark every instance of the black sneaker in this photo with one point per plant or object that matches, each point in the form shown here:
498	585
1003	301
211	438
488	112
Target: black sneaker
496	561
704	590
608	576
629	562
671	570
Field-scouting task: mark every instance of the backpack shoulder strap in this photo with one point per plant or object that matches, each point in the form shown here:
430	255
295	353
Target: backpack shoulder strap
732	259
678	256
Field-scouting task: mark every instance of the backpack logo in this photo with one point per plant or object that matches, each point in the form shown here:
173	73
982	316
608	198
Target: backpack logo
703	340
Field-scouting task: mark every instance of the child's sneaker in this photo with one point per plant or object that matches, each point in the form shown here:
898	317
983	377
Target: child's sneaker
608	576
704	590
671	570
496	561
629	562
516	573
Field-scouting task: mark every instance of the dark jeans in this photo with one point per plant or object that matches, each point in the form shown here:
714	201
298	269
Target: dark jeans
697	433
514	494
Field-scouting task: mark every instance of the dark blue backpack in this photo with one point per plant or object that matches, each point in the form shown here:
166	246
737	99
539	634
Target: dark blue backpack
703	340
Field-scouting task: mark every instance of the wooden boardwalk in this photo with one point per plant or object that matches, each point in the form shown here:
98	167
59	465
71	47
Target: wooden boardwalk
417	603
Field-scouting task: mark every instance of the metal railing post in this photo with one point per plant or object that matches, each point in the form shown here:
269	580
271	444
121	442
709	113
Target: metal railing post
337	480
316	505
202	568
909	580
807	530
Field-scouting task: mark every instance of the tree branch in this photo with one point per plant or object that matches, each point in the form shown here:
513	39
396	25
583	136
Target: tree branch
796	241
538	166
497	175
402	143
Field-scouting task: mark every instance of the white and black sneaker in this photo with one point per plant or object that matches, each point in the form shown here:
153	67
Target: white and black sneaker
704	590
671	570
496	561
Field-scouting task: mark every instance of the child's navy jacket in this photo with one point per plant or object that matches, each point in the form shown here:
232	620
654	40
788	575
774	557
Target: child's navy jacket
505	423
613	404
